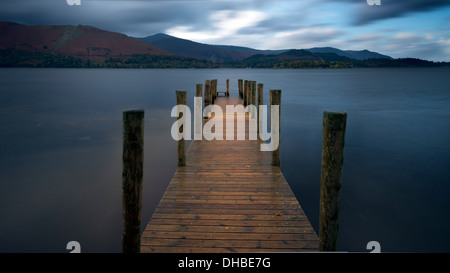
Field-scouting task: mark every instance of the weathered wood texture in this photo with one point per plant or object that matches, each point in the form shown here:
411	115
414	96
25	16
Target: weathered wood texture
333	142
199	90
245	95
132	174
260	102
207	98
253	99
228	198
214	90
241	88
181	144
275	99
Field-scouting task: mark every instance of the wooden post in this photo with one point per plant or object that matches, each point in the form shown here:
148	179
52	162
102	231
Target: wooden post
260	102
228	87
132	174
275	99
333	141
249	93
214	90
249	90
207	98
253	97
245	92
198	112
181	144
240	87
199	90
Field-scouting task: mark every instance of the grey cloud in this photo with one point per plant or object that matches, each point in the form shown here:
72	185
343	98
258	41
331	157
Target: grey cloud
366	14
136	17
142	18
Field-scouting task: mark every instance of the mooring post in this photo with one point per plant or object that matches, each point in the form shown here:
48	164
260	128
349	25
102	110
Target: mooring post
181	144
333	140
275	99
245	92
198	112
199	90
240	87
249	92
253	97
260	102
132	174
228	87
214	90
207	96
212	95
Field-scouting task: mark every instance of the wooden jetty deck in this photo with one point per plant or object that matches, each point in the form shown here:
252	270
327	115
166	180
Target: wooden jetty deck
228	198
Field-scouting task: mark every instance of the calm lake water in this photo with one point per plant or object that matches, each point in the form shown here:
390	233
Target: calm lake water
61	133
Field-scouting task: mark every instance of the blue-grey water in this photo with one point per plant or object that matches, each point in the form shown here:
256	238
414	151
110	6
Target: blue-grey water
61	133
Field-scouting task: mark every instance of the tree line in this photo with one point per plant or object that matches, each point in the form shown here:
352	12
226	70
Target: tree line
22	58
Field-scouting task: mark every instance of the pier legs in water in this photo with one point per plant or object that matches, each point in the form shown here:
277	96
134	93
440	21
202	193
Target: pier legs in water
132	174
333	141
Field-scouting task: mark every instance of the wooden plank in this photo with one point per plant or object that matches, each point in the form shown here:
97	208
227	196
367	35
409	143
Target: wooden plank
265	217
223	243
228	198
199	249
225	211
230	236
224	229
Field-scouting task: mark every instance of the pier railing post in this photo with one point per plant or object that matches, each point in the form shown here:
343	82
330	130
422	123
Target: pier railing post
249	93
132	174
214	90
198	114
181	144
275	99
245	92
207	96
240	87
260	102
199	90
253	97
333	140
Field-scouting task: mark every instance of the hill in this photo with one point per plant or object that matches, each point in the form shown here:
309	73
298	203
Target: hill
294	58
84	42
352	54
190	49
86	46
307	59
229	53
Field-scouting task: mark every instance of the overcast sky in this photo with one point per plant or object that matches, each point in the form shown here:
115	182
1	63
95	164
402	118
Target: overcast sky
399	28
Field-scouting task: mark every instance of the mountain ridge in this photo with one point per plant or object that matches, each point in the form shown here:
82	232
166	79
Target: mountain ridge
231	53
87	46
80	41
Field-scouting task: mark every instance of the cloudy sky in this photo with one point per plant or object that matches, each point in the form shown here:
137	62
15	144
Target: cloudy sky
399	28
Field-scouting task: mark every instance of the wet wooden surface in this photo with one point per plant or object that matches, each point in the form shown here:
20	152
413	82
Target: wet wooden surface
228	198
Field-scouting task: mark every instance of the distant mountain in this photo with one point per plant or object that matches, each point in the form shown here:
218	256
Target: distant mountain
245	52
293	55
307	59
190	49
84	42
229	53
86	46
213	53
352	54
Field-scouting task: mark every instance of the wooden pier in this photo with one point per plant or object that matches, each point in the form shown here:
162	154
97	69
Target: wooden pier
228	198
